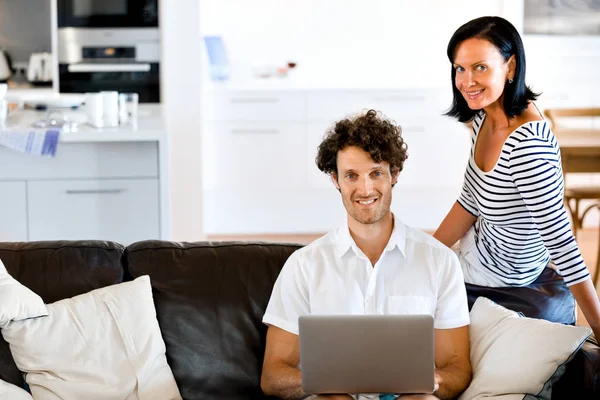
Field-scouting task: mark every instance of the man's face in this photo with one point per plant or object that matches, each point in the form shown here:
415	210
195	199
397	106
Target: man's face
366	186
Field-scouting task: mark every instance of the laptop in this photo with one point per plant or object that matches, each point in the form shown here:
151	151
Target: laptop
367	353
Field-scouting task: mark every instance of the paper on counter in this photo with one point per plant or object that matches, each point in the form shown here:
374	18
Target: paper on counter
40	143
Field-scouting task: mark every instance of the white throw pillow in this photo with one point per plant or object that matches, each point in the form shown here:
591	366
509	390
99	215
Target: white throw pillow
105	344
17	302
513	354
12	392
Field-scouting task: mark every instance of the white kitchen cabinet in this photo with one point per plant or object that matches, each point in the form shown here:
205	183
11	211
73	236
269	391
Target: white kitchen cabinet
254	155
259	170
83	161
121	210
336	104
252	105
13	211
110	184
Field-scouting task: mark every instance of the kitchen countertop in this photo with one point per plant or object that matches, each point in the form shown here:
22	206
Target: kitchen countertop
150	126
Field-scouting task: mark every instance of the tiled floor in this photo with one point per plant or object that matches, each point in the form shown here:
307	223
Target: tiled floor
587	239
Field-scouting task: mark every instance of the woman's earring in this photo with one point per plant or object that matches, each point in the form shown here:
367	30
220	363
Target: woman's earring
510	80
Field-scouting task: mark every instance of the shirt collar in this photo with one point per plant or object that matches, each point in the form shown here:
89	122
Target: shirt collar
345	241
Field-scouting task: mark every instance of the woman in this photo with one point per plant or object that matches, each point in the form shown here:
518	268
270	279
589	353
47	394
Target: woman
510	215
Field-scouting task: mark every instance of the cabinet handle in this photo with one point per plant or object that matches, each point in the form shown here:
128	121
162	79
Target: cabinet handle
255	131
95	191
242	100
399	98
98	67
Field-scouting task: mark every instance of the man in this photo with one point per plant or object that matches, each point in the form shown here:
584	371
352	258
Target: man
373	265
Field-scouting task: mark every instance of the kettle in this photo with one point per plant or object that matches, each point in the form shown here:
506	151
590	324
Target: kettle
5	66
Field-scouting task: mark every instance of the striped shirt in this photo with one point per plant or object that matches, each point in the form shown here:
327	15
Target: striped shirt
521	222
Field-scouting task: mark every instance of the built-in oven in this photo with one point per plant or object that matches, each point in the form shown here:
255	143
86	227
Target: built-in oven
122	59
107	13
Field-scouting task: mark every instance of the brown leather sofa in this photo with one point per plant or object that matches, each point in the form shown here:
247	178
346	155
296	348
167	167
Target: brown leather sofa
209	297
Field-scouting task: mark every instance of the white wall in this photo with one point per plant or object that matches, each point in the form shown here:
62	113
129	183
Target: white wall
181	87
380	43
343	43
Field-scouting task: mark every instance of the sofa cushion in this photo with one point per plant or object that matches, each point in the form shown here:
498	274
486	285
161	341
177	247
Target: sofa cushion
58	270
210	299
515	354
17	302
11	392
104	344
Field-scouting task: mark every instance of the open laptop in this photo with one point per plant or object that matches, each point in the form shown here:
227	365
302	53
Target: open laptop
367	353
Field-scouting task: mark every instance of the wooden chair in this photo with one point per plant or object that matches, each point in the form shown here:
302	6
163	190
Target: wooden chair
573	195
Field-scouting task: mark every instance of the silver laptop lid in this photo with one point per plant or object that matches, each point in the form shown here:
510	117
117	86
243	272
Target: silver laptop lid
367	353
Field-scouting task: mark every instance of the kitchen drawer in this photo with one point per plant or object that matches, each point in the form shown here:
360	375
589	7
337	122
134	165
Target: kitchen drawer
254	155
84	160
256	106
119	210
13	212
403	106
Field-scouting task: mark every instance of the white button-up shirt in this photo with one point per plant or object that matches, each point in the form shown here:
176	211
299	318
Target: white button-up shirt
416	274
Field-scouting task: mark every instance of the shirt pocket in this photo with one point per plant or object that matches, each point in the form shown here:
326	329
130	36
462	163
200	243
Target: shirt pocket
409	305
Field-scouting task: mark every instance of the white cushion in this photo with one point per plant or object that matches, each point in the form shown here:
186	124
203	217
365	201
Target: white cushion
105	344
17	302
12	392
512	354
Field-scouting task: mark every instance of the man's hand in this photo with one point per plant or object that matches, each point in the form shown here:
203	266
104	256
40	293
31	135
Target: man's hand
438	380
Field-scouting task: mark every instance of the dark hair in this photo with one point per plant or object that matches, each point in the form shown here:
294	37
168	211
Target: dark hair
371	132
505	37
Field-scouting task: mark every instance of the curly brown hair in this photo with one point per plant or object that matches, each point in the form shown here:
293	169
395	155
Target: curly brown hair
371	132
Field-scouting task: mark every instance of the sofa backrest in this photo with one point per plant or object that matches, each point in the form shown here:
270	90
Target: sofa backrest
55	271
210	299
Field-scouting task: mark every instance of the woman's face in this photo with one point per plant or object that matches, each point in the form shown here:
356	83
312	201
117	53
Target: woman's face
481	72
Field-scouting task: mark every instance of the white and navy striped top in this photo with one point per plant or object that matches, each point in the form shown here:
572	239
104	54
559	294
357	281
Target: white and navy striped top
521	217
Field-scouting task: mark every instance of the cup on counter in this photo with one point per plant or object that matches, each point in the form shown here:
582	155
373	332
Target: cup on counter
110	105
94	109
128	109
3	104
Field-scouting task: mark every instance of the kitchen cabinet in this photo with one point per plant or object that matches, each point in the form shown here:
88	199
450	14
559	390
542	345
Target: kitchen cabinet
254	155
13	211
124	210
102	184
259	150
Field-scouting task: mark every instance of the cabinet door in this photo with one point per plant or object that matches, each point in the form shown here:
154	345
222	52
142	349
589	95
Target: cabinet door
256	105
123	211
254	155
13	211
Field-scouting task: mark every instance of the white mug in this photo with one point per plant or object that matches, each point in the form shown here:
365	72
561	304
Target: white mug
94	109
110	100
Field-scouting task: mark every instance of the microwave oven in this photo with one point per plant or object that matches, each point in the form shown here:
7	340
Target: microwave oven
107	13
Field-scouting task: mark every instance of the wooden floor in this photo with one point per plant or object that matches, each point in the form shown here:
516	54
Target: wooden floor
587	240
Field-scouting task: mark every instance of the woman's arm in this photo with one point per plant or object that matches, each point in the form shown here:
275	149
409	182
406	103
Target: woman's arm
537	176
455	225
